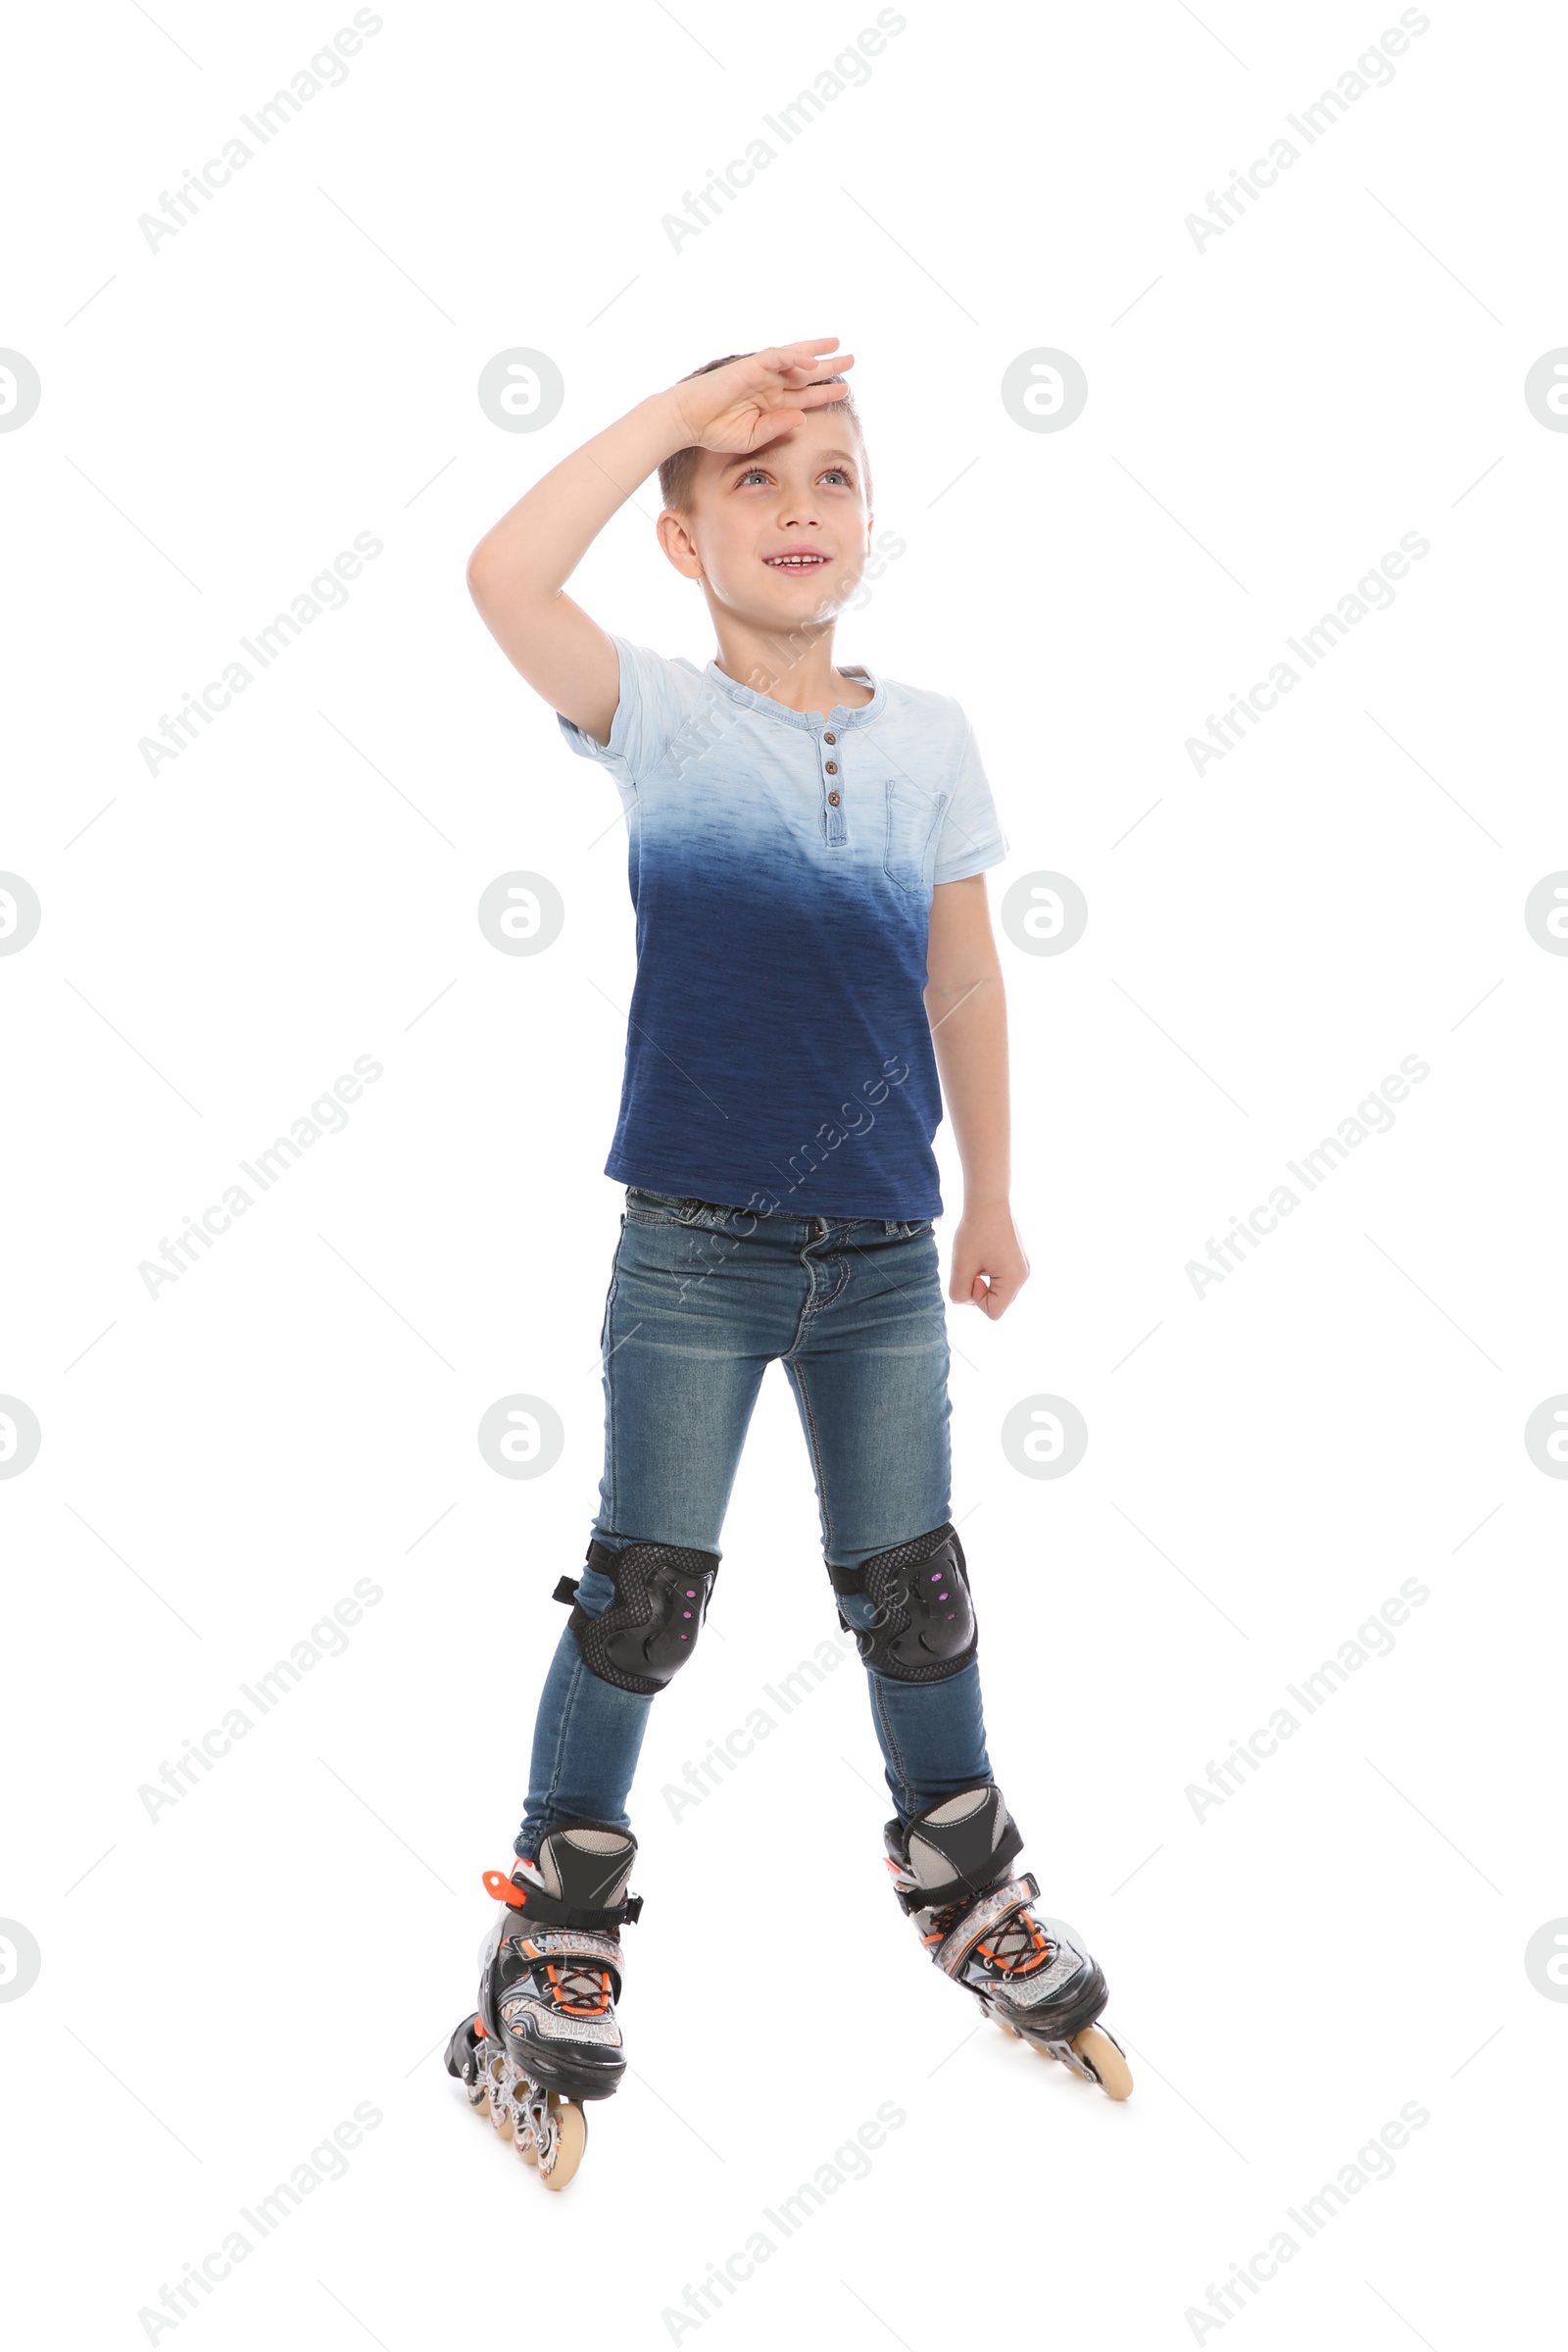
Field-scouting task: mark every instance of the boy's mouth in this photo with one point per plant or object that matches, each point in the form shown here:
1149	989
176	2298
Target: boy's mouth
803	559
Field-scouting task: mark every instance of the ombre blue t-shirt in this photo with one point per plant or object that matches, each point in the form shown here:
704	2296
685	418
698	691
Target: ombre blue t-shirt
778	1052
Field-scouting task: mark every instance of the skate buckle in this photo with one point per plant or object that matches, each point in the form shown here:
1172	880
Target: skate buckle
505	1890
906	1885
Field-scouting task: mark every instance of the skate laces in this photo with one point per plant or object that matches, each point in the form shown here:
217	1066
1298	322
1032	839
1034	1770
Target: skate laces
580	1992
1020	1943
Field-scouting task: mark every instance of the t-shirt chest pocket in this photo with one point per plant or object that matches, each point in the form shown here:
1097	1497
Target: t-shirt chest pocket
913	821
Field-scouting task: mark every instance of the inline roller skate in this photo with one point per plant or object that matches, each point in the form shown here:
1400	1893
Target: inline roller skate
544	2038
951	1874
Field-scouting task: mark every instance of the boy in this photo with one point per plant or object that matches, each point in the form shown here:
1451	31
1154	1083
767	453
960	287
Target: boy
806	856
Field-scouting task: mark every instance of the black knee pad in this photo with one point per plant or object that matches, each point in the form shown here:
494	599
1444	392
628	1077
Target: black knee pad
925	1629
649	1629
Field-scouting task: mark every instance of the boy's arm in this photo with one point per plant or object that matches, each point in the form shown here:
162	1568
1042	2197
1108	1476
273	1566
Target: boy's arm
966	1006
517	573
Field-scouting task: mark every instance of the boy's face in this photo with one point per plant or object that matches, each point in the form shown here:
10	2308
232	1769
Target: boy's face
777	538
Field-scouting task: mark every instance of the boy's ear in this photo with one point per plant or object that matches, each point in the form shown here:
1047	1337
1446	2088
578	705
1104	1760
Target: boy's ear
674	537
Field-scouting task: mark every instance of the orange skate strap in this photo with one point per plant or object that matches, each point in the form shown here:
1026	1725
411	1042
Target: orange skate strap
498	1883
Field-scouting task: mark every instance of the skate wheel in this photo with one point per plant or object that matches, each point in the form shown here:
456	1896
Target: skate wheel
1011	2031
492	2082
1099	2051
571	2137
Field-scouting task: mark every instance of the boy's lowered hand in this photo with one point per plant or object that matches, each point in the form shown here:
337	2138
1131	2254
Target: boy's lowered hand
966	1006
990	1266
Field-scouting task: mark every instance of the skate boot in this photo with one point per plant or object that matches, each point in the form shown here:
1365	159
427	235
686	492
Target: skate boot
544	2038
951	1873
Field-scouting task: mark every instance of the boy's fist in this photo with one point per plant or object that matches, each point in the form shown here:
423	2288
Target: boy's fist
990	1266
749	402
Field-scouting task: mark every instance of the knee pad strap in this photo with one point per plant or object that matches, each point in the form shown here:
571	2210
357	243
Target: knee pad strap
923	1629
649	1629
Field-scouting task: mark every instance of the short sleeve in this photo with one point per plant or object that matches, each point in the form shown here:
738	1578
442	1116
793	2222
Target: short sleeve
971	837
655	695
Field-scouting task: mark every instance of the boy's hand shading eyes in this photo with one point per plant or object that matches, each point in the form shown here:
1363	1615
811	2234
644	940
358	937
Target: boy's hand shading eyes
751	400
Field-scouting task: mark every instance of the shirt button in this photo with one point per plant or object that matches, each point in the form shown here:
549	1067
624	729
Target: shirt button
830	739
832	799
832	767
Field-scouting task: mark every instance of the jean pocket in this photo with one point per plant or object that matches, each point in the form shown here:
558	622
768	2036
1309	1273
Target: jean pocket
913	820
659	1208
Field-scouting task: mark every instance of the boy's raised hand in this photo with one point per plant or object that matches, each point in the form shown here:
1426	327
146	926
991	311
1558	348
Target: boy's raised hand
749	402
519	569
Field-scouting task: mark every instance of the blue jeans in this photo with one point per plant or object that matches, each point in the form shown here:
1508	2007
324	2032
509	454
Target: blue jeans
702	1298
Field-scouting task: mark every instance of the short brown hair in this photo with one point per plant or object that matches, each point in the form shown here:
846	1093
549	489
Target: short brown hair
675	474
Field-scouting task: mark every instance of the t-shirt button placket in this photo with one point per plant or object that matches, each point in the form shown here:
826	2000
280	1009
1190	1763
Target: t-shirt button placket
837	831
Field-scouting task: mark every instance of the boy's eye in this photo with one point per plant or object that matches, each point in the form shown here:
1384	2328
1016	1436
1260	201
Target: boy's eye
830	473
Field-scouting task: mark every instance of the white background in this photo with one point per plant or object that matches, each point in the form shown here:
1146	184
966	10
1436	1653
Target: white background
1346	1933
